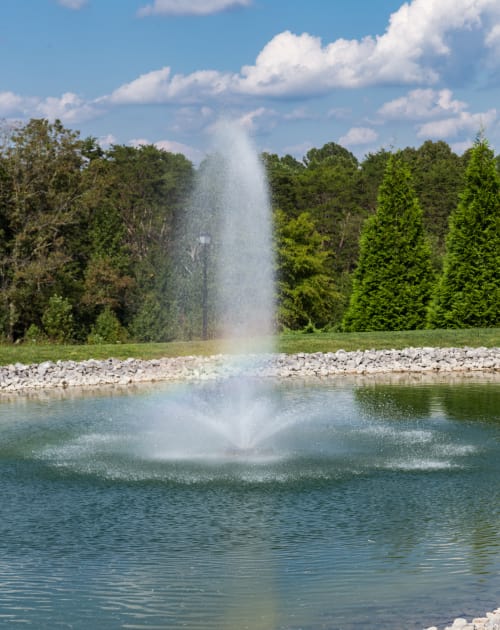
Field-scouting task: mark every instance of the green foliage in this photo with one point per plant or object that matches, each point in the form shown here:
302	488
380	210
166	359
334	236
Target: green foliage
102	230
43	165
35	335
438	176
57	319
330	153
152	322
107	329
306	294
468	293
393	280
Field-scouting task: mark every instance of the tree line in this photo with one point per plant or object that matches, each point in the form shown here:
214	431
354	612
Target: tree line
93	245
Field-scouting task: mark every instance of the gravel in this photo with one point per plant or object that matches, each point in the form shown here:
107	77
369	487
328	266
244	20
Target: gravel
18	377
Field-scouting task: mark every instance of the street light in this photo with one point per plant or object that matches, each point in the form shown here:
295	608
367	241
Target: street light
204	240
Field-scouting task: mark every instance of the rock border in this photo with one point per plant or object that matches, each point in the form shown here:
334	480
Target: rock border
19	377
491	621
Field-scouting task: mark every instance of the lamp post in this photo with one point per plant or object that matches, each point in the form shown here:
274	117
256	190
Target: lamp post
204	240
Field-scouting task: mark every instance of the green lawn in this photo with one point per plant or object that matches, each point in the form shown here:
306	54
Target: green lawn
289	343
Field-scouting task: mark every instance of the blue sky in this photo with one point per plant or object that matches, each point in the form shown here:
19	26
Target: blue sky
296	73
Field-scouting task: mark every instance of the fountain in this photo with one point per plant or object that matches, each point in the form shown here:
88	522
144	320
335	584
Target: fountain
231	217
244	504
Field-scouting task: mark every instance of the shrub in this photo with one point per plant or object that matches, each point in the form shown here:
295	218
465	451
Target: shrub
57	319
107	329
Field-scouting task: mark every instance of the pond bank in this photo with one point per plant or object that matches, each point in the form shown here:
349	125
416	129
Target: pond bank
91	373
491	621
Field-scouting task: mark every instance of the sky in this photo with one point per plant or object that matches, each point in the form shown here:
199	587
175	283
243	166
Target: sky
296	74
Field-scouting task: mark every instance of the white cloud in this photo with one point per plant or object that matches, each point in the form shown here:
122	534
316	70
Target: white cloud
106	141
159	86
416	36
358	135
453	126
11	103
69	108
416	40
492	41
73	4
461	147
446	116
258	120
421	104
190	7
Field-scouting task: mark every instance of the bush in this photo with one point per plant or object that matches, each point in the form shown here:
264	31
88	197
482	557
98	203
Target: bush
34	335
107	329
57	319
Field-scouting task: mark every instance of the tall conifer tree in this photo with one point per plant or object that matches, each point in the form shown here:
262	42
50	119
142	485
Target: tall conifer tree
393	280
468	293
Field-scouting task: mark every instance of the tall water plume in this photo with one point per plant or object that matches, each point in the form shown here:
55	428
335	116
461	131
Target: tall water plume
232	206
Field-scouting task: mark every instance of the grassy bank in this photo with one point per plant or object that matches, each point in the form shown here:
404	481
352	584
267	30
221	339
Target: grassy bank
289	343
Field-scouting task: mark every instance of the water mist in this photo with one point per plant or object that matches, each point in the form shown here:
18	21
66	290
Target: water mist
231	206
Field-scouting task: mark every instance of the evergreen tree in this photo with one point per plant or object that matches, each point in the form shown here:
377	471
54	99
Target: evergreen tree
306	295
468	293
393	280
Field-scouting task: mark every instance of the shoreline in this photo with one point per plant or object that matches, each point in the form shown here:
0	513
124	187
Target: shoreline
490	621
49	375
410	365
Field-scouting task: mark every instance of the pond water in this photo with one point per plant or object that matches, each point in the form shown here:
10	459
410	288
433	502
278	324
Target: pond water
339	505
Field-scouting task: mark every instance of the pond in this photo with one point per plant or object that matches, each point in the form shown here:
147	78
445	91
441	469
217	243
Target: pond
339	505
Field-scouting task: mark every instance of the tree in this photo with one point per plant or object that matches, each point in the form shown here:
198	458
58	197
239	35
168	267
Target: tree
438	176
132	197
282	178
58	319
393	280
43	165
327	189
468	293
330	153
306	295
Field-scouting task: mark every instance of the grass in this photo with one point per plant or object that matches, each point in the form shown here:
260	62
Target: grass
289	343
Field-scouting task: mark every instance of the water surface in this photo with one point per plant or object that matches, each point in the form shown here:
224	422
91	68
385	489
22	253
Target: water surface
322	506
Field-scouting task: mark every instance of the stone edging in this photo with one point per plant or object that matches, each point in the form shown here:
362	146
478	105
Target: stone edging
491	621
91	373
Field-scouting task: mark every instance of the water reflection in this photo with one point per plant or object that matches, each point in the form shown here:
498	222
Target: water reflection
366	513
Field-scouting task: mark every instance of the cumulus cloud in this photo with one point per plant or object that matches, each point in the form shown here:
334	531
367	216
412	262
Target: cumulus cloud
190	7
453	126
11	104
446	116
421	104
159	86
258	120
416	39
107	141
69	108
416	36
73	4
358	135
